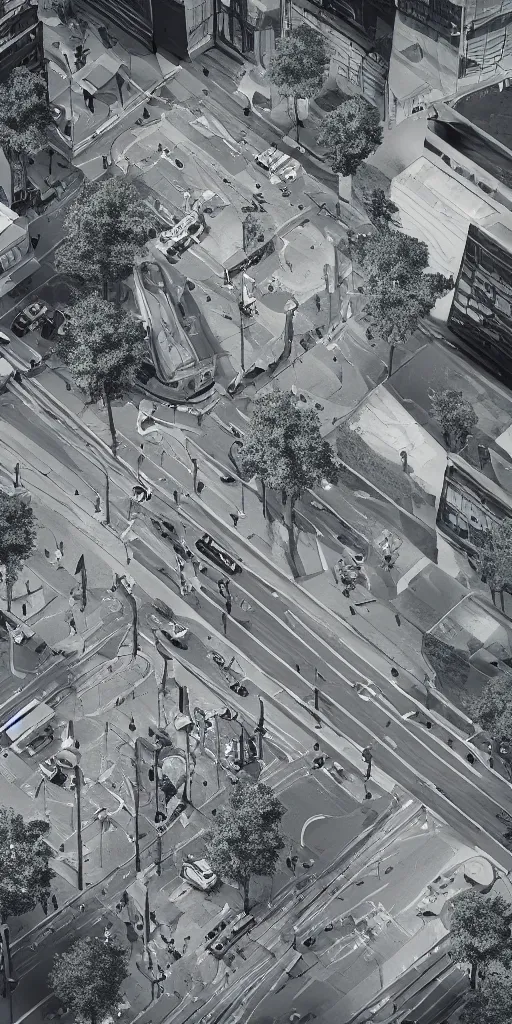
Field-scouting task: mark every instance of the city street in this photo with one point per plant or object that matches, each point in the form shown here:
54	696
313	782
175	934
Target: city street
255	523
421	761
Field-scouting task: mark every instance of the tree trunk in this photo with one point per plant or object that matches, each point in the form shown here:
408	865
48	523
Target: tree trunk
264	498
502	600
111	423
288	518
105	289
390	360
118	293
245	888
296	112
8	588
446	439
493	595
472	976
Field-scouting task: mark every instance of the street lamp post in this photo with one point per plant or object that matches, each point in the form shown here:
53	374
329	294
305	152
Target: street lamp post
80	852
233	460
66	58
136	800
9	979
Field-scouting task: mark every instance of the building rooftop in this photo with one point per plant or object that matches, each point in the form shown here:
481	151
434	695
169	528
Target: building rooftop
489	109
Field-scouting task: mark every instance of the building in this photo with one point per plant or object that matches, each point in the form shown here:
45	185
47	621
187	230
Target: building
180	27
457	197
17	260
481	312
21	36
470	504
440	48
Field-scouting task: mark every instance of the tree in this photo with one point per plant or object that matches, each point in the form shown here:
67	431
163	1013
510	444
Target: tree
285	449
107	229
246	839
480	931
350	133
17	539
25	874
493	559
492	1001
297	68
492	709
379	208
25	117
88	976
399	292
455	416
450	665
103	346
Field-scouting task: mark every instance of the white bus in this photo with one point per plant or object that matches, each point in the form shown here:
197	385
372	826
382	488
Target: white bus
29	723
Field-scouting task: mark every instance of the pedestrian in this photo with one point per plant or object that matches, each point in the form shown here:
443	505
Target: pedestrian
82	908
35	241
235	519
55	905
58	558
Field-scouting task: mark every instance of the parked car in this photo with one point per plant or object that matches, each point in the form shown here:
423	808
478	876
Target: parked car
29	318
166	642
210	549
174	629
199	874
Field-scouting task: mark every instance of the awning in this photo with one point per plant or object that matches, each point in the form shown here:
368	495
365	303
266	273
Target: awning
23	270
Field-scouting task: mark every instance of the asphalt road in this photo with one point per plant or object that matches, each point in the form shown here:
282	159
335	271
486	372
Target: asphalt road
469	797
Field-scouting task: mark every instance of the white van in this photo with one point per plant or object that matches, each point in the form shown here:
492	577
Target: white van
29	728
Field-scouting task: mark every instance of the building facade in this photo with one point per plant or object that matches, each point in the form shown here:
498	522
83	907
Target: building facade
481	312
17	260
135	17
442	47
470	505
21	37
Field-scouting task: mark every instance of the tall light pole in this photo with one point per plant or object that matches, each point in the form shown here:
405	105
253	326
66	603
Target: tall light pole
66	58
79	845
8	970
136	800
233	460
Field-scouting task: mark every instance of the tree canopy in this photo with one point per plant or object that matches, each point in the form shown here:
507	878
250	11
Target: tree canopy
25	114
297	68
285	449
350	133
103	345
455	416
492	1002
492	709
88	976
494	557
480	930
379	208
246	839
107	229
17	538
399	291
284	445
25	874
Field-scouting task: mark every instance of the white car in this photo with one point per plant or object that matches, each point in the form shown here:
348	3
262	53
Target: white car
199	874
60	763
